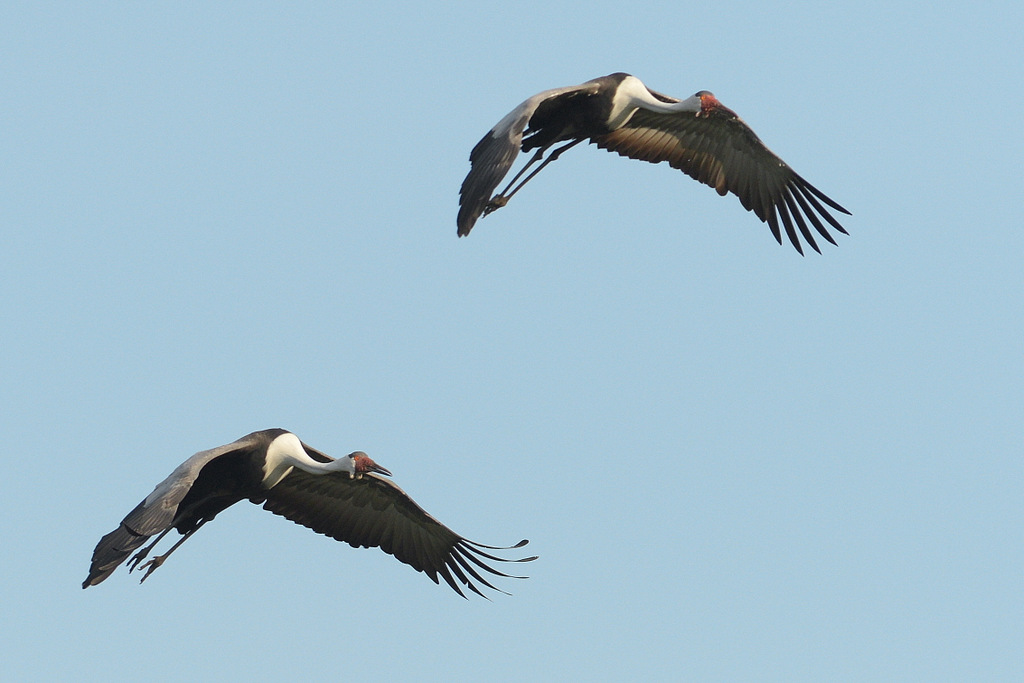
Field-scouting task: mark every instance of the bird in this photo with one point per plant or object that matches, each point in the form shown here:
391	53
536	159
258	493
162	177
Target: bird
697	135
344	498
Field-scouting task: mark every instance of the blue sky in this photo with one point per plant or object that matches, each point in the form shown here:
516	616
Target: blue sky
735	463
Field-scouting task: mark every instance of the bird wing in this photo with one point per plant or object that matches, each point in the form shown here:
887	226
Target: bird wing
158	510
494	155
371	511
155	513
718	149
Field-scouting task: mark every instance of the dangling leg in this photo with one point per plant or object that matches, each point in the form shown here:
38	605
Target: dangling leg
141	555
151	566
501	199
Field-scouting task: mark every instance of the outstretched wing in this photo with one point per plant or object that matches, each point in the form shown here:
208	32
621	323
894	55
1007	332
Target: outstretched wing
494	155
718	149
157	512
373	512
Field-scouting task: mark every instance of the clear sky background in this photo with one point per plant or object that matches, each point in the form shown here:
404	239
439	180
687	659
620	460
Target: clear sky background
736	463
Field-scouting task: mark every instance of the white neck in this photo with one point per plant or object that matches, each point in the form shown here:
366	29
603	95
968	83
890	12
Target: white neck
632	93
286	452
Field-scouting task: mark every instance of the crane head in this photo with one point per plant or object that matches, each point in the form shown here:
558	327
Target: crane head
362	463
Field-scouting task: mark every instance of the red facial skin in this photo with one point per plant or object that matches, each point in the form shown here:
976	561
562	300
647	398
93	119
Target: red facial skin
363	464
709	105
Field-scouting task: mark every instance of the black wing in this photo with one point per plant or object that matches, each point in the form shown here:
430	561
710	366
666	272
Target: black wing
372	512
718	149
